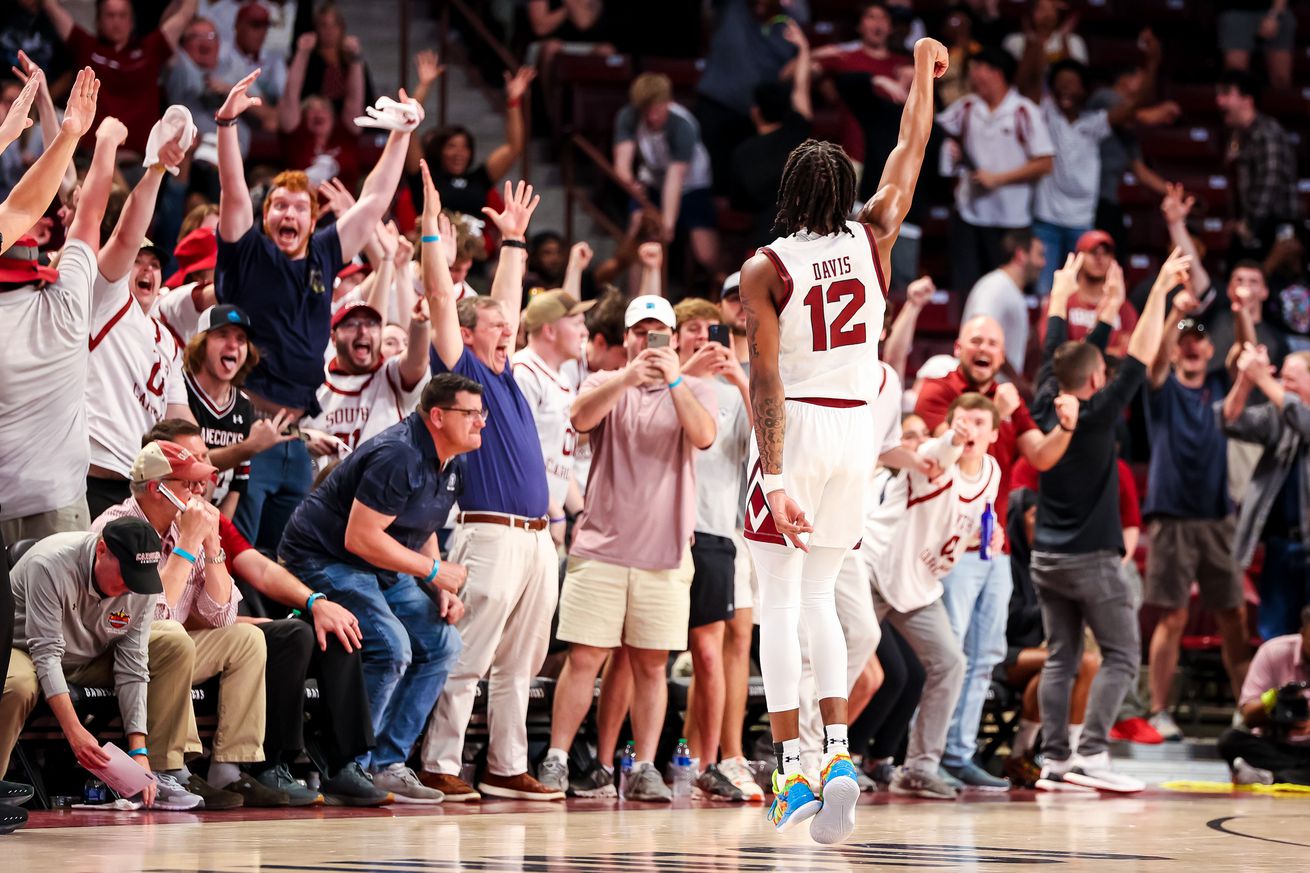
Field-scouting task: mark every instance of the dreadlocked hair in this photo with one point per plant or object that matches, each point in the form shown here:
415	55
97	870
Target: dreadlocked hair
817	191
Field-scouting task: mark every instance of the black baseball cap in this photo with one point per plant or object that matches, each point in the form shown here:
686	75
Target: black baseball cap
223	313
1191	325
138	550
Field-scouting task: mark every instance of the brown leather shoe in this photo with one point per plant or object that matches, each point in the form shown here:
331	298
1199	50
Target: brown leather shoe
520	787
455	788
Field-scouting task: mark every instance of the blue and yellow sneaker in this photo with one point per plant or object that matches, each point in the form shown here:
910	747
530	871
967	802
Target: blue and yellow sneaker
841	791
793	801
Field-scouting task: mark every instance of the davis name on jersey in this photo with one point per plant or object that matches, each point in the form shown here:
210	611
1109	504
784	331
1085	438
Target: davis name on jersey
830	317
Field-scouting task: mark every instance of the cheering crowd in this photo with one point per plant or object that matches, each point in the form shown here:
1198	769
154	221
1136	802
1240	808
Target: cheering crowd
318	414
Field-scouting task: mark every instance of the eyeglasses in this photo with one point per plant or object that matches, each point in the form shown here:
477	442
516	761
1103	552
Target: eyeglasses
484	414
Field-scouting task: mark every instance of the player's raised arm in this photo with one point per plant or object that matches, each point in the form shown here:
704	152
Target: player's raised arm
888	207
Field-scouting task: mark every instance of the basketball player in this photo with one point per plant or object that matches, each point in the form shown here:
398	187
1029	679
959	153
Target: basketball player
815	300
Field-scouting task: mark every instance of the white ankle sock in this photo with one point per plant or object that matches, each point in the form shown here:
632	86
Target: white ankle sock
834	740
558	755
1025	736
788	753
1075	734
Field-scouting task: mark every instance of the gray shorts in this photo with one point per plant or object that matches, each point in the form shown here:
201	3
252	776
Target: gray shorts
1239	31
1184	550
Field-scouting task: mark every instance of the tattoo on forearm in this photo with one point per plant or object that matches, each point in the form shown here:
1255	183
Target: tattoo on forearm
770	425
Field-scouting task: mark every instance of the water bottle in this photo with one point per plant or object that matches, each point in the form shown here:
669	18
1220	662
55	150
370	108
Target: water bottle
626	765
95	792
988	524
682	774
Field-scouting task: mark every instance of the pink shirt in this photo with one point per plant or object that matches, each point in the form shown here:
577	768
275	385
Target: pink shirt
1277	662
640	509
195	600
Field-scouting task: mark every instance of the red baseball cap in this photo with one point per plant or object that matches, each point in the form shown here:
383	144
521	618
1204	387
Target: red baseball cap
22	264
196	251
346	311
1090	240
168	460
352	268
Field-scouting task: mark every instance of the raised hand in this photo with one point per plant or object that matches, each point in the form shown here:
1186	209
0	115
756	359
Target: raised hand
350	48
81	109
1177	203
520	203
337	196
928	51
18	118
429	70
651	255
431	198
171	153
1065	280
1253	362
268	432
1066	411
404	251
795	34
1116	291
919	292
580	255
1006	399
449	237
112	131
306	43
517	85
1176	270
388	237
1186	303
238	99
421	312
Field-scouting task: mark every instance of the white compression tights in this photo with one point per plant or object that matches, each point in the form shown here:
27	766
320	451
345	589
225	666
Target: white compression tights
797	587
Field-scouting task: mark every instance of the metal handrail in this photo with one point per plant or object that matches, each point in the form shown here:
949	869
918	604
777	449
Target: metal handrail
499	49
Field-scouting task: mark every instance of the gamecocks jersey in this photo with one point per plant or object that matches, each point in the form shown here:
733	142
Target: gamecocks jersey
942	518
831	314
222	426
134	372
359	407
551	397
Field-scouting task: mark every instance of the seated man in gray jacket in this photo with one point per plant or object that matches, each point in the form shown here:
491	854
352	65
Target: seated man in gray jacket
84	603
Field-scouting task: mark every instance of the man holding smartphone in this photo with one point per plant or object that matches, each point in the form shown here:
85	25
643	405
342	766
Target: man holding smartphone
628	587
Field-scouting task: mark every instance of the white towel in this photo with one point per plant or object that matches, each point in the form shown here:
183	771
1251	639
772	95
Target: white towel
176	118
389	114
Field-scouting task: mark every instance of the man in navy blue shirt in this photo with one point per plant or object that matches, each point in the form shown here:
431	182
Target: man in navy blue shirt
367	538
1190	517
282	276
503	535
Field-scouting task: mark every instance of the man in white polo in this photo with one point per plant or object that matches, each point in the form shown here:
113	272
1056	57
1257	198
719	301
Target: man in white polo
556	333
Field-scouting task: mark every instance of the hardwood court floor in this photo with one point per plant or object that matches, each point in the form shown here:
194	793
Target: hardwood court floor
1156	831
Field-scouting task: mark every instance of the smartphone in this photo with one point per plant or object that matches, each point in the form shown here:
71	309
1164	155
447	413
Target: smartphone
658	340
720	334
171	497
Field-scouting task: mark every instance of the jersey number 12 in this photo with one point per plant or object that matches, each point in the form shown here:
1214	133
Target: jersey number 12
840	332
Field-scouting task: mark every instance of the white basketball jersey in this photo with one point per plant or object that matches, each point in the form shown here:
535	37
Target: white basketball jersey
831	314
358	407
134	373
551	396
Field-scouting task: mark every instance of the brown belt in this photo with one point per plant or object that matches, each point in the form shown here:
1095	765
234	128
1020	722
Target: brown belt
518	521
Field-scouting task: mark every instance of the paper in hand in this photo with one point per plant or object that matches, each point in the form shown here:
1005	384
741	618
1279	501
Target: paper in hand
122	774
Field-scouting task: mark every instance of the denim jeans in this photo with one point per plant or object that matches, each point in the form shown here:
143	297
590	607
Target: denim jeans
279	479
1284	588
1058	241
977	599
408	650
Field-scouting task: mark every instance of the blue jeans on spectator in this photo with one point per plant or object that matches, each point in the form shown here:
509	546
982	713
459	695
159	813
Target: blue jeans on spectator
1058	242
279	479
1284	588
408	650
977	602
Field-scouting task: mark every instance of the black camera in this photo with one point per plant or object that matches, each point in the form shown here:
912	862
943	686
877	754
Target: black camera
1292	707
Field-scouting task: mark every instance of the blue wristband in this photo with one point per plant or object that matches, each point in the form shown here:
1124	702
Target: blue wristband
184	555
430	237
141	752
675	383
309	604
432	574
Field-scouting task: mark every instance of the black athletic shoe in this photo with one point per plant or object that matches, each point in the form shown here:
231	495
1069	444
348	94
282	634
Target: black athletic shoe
15	793
11	818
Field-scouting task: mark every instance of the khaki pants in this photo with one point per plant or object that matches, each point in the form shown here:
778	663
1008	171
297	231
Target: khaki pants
170	674
237	655
510	595
73	517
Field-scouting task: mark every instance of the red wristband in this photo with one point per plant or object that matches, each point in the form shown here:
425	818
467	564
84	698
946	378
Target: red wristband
513	103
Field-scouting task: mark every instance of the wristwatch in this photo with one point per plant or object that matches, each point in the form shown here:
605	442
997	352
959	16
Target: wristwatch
220	558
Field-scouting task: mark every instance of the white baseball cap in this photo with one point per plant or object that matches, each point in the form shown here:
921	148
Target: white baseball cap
649	306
